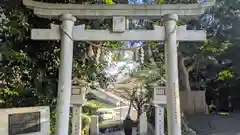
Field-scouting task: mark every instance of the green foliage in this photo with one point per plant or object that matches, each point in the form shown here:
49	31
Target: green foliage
29	69
53	122
91	108
85	123
86	120
225	74
109	2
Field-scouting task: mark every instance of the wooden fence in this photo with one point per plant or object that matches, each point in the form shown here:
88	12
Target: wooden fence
193	102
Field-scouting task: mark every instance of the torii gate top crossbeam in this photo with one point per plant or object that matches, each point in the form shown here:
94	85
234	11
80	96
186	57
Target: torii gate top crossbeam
96	11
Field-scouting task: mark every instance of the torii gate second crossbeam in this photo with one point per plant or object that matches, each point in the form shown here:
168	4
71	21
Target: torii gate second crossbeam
81	34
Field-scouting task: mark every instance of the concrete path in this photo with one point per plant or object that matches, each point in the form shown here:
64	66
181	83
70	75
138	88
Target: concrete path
215	124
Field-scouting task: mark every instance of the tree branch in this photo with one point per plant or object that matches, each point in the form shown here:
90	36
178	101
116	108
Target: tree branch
143	102
182	61
192	66
134	106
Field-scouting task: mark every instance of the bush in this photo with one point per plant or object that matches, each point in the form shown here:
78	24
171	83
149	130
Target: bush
85	123
86	120
88	110
91	108
53	122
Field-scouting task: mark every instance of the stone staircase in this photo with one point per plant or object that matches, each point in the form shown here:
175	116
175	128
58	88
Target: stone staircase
109	96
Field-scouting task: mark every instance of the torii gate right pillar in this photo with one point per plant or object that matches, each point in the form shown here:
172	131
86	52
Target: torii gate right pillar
172	85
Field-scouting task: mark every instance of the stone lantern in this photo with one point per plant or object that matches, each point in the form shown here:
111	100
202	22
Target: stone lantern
159	100
79	88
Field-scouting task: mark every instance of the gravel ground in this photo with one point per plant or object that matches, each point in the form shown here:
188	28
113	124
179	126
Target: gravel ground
215	124
209	125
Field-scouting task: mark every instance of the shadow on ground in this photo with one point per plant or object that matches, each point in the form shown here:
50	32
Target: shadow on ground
215	124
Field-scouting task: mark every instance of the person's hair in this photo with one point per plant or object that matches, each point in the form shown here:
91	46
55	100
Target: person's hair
128	117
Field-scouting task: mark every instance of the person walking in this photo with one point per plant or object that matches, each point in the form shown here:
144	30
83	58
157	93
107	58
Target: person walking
128	125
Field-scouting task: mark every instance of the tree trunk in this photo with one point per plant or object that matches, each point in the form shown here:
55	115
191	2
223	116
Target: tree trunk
130	108
139	112
184	73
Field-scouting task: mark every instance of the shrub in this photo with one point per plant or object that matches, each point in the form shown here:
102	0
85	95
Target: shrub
91	108
86	120
85	123
88	110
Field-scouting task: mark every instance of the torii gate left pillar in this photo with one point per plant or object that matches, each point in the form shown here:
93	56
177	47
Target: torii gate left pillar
65	75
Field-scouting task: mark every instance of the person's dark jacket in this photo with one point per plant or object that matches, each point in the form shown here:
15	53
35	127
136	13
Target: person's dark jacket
128	124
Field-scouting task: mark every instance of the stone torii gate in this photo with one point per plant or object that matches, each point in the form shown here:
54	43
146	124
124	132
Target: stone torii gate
67	33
